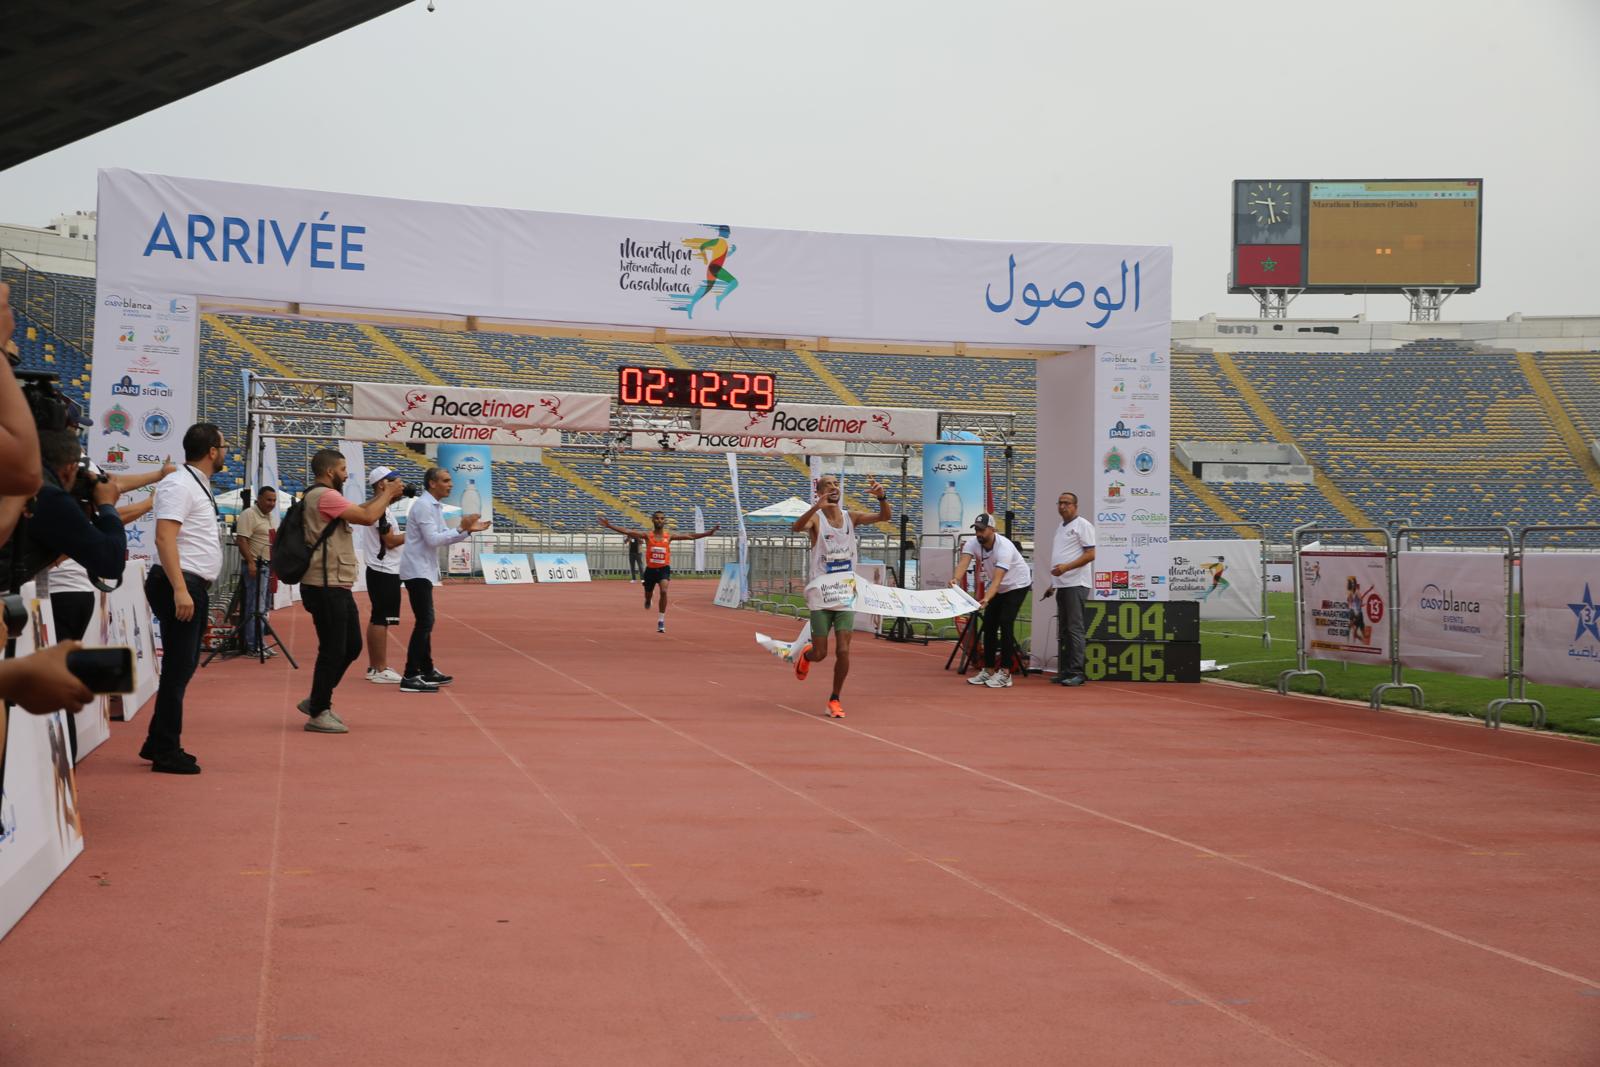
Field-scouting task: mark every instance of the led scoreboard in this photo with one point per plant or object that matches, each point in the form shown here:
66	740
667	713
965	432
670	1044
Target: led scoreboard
676	387
1357	236
1133	641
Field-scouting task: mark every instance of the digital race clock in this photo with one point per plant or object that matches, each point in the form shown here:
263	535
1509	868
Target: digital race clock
1142	641
675	387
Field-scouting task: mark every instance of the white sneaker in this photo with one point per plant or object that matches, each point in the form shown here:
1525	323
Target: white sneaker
999	680
387	676
981	678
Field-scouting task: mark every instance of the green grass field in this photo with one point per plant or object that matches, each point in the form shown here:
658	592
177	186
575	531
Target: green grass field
1238	644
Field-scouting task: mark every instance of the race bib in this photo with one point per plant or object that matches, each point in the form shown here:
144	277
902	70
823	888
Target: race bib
835	566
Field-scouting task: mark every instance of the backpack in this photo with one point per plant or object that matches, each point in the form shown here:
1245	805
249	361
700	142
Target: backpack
291	555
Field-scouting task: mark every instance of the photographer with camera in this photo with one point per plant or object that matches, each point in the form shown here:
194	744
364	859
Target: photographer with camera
380	546
71	588
189	554
74	515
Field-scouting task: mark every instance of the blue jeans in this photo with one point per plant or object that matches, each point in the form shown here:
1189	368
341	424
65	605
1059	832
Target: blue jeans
253	591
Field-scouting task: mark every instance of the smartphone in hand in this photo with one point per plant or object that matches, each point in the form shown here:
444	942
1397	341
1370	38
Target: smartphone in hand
103	670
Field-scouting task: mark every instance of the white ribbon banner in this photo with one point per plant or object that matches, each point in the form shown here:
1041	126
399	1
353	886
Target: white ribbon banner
1344	608
1453	612
851	592
835	422
388	402
403	431
1224	576
1561	638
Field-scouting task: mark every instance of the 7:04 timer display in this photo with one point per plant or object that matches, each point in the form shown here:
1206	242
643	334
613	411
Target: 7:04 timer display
675	387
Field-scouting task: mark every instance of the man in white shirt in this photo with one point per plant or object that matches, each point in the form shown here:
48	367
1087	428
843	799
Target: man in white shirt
189	555
1006	581
1070	578
380	546
426	533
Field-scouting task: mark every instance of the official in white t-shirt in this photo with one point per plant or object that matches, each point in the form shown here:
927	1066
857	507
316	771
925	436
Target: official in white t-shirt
381	546
1071	553
188	560
1006	580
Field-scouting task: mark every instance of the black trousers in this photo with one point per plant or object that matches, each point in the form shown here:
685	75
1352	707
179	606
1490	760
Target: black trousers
999	628
338	624
633	566
419	651
1069	631
73	613
180	654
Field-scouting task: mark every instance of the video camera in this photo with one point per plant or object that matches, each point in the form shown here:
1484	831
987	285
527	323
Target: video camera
53	411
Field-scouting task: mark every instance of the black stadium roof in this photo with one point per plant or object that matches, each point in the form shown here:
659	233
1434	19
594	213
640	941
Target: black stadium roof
70	68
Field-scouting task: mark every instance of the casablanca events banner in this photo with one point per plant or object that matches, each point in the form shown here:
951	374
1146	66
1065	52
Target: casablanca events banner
1223	575
143	390
1344	609
1453	610
160	233
1561	635
514	410
40	829
1131	478
835	422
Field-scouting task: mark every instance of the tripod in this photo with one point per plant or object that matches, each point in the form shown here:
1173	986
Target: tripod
900	630
258	616
967	647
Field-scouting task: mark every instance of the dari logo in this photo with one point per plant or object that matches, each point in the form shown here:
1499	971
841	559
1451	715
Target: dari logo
125	387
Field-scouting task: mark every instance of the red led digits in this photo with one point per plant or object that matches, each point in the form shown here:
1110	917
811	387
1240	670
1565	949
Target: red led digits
675	387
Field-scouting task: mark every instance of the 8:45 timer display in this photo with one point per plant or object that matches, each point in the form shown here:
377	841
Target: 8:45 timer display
676	387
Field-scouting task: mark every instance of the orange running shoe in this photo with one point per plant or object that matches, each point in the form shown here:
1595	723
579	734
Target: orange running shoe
835	709
802	666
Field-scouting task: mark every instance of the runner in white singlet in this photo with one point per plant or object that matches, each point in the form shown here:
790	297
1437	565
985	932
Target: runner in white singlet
833	551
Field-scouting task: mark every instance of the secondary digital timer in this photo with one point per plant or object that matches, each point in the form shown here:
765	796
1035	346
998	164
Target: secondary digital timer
676	387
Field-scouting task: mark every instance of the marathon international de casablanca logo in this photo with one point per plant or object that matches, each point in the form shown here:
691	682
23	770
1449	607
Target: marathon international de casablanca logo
682	274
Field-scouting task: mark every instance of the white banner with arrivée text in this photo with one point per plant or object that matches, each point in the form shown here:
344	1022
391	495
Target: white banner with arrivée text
298	245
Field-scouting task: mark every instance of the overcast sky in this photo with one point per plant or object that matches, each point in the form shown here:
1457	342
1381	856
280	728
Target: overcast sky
1052	121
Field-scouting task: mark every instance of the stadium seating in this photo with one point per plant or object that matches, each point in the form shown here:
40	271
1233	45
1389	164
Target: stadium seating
1435	433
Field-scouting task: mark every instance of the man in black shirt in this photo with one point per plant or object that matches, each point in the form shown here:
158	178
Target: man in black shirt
58	520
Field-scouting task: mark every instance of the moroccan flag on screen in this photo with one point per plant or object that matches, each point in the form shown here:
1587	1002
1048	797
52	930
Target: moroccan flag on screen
1275	266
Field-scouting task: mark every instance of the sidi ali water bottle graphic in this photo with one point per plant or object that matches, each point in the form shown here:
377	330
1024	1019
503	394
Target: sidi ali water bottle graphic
471	501
950	508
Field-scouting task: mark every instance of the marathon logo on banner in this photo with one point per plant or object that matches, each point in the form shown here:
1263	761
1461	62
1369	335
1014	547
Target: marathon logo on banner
404	431
834	422
391	402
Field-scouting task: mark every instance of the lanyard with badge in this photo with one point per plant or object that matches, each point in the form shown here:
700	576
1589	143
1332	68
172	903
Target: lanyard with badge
207	491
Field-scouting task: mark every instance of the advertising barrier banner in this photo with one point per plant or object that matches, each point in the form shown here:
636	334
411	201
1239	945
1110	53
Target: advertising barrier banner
40	829
561	566
143	390
1561	639
1452	611
1344	606
1224	576
729	587
506	568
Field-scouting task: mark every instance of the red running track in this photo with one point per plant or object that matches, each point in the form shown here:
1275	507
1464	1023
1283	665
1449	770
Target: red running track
606	846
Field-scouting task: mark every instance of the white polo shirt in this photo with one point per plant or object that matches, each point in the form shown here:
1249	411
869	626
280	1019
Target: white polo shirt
184	496
1003	554
1070	541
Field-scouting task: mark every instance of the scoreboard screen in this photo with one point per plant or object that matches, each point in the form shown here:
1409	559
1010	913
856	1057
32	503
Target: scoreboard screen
1357	236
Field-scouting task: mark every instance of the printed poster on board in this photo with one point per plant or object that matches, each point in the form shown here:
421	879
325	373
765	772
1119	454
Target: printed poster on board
1223	576
1561	639
1453	612
1344	606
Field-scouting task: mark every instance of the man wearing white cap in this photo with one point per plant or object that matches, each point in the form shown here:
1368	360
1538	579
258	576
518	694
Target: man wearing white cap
380	547
1006	581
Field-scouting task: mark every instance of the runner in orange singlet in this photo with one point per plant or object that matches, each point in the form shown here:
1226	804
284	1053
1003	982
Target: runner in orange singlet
657	558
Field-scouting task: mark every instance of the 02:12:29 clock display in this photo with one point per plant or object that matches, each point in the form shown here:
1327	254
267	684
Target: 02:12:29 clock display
677	387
